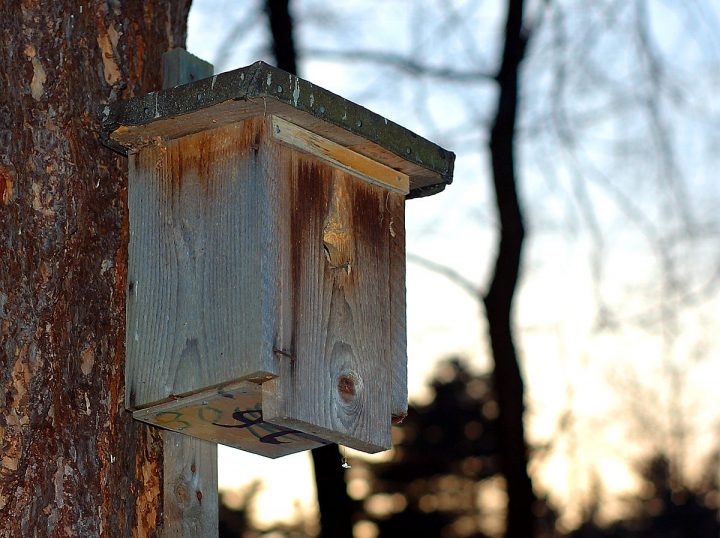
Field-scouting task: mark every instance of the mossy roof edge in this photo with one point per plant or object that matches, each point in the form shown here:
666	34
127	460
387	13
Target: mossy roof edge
261	80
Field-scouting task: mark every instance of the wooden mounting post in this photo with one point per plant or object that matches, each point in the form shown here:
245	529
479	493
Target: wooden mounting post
190	478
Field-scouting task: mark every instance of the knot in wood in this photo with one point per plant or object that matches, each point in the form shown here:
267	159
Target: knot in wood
182	493
346	388
337	231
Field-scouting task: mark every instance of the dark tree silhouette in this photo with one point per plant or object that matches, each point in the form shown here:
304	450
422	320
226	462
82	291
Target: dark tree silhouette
234	522
498	300
334	503
664	508
281	29
443	453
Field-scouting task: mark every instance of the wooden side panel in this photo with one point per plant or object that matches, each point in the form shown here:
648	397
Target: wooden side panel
190	500
336	382
196	314
398	318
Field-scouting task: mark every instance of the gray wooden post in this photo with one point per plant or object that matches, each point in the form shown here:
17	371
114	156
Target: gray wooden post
190	487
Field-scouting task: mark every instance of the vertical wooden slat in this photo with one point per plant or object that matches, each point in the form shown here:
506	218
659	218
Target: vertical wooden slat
190	481
190	496
398	318
196	315
337	383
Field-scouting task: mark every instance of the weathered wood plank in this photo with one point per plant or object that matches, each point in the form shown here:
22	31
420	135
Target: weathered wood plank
182	517
197	315
262	89
345	159
231	415
190	497
337	381
398	319
181	67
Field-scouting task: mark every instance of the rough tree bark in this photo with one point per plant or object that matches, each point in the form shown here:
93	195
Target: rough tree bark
507	378
72	461
333	500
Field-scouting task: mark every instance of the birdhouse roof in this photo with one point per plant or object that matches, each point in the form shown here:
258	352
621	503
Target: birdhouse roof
261	89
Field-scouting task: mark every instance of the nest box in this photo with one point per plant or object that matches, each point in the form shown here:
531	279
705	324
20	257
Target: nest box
266	271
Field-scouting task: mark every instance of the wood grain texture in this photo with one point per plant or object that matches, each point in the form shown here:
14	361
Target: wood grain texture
190	496
188	463
199	310
232	416
395	204
339	156
181	67
337	383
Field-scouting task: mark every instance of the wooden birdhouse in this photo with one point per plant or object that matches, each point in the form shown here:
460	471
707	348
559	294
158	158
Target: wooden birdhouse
266	272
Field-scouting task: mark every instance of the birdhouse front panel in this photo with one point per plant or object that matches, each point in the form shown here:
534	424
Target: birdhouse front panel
251	259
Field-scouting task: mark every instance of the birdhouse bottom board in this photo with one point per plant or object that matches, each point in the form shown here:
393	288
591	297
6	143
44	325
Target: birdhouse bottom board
231	416
272	265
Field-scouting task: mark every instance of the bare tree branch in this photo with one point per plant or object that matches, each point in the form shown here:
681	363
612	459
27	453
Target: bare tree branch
448	272
403	63
282	29
234	36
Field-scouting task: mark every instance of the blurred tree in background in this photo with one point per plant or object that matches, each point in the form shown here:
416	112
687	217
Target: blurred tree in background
664	508
442	452
443	481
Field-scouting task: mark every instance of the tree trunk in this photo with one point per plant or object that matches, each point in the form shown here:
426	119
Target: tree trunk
281	28
72	461
507	378
333	500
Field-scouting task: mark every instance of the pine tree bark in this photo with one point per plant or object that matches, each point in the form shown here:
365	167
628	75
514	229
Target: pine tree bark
507	377
72	461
